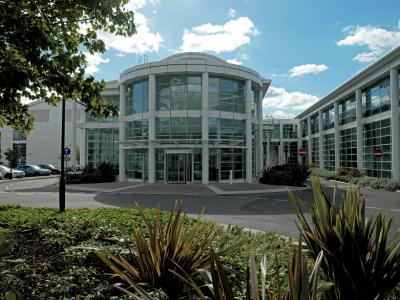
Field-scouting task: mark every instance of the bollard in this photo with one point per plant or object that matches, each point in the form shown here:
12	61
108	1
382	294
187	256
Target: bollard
230	177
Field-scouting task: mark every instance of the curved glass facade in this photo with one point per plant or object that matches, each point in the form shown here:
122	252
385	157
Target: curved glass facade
178	92
137	97
226	94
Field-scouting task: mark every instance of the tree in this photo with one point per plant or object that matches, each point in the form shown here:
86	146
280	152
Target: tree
13	156
42	45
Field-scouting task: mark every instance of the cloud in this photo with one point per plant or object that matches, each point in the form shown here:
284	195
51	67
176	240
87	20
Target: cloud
138	4
307	69
143	41
280	114
279	98
93	62
234	61
219	38
377	40
231	13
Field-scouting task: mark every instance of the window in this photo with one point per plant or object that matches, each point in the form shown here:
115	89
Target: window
377	135
328	118
136	164
304	145
235	160
290	153
347	110
289	131
20	148
314	120
376	98
253	104
102	145
348	148
329	151
226	129
315	151
137	97
304	128
137	130
18	135
178	92
113	99
178	128
226	95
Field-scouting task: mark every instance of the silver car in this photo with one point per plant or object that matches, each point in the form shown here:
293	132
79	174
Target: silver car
9	173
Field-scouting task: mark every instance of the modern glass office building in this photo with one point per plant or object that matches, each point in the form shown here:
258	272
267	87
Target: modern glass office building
191	117
346	127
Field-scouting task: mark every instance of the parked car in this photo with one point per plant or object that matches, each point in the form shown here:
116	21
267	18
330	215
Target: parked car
52	168
33	170
9	173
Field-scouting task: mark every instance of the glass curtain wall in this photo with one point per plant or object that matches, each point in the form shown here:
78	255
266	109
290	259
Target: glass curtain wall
290	153
328	118
315	151
178	92
137	130
226	129
180	128
235	160
348	148
137	97
225	94
289	131
136	164
347	110
376	98
329	151
102	145
377	135
314	123
20	148
304	128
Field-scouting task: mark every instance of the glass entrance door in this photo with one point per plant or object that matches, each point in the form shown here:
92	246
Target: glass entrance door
179	167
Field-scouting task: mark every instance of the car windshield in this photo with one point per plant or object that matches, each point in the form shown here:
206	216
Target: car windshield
7	169
51	166
35	167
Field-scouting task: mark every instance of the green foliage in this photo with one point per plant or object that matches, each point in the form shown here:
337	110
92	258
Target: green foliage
58	251
301	285
354	176
291	175
169	252
349	172
13	156
359	259
102	172
42	53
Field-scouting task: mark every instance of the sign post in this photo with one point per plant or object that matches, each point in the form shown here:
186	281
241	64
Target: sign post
378	155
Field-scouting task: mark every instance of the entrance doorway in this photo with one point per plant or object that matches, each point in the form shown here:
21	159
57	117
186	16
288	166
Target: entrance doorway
179	167
213	167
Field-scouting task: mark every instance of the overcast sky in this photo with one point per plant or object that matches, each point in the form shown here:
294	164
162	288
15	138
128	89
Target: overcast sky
306	48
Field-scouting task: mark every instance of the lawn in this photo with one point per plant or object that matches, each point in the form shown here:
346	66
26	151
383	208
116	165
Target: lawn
53	255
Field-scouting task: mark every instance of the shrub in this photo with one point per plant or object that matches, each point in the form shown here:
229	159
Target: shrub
322	173
359	259
102	172
349	172
167	255
291	175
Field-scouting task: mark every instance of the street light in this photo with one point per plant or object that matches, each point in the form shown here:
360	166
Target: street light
62	175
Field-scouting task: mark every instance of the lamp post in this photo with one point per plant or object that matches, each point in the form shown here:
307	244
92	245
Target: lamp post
62	175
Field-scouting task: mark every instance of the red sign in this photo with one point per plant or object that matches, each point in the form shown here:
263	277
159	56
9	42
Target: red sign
302	152
378	153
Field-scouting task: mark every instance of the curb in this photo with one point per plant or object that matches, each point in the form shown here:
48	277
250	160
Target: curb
27	178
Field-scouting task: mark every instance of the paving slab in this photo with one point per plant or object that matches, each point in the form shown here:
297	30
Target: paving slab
160	188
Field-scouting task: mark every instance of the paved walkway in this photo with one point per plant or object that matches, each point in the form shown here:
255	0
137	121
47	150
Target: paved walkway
186	189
